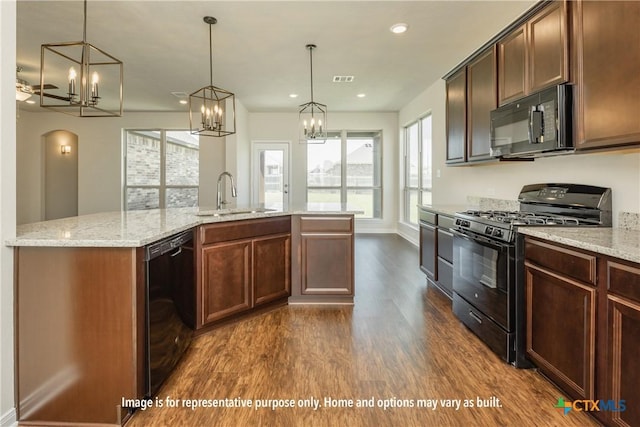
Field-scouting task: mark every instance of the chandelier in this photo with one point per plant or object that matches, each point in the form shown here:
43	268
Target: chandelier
312	119
212	111
80	79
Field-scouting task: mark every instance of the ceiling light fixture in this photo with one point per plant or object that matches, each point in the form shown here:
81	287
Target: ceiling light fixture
293	95
313	116
90	78
399	28
361	95
212	111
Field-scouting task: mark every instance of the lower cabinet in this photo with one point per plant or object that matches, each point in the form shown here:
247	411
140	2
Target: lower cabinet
436	249
323	269
583	326
241	265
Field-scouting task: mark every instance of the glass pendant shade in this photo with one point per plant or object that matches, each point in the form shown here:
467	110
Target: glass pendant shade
312	117
212	111
80	79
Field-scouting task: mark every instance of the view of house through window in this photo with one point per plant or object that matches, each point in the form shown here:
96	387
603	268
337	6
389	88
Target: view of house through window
347	169
161	169
417	167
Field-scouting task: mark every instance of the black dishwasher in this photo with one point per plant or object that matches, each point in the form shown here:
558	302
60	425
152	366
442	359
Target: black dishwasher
170	305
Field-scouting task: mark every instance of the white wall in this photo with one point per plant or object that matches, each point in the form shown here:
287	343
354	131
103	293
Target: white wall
7	204
284	127
100	158
503	180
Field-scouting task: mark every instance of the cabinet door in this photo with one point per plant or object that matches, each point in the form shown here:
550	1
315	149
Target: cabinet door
428	250
608	60
456	117
481	99
561	330
327	263
226	279
271	268
548	47
512	66
624	348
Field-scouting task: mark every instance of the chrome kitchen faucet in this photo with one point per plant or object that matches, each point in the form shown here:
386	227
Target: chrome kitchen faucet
234	192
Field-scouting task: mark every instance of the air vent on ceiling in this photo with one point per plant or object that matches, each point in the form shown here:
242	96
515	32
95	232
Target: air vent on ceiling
179	94
342	79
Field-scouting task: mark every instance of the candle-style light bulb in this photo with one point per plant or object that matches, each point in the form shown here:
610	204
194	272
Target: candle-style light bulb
72	81
320	125
94	84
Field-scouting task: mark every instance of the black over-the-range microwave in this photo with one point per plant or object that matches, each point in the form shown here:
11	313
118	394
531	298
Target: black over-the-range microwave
539	124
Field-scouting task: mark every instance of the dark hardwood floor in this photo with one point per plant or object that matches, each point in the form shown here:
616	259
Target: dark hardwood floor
399	343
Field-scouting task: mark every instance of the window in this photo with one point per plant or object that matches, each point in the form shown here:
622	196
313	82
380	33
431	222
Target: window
417	165
161	169
347	169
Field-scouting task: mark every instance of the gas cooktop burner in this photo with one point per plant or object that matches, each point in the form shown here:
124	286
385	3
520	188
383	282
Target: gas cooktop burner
526	218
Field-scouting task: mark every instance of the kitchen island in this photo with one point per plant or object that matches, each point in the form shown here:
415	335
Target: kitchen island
82	291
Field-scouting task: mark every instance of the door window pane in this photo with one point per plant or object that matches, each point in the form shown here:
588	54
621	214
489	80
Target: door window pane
182	158
272	177
142	198
143	158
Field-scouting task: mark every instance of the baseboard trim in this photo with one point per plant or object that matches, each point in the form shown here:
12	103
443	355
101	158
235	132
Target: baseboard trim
9	418
409	238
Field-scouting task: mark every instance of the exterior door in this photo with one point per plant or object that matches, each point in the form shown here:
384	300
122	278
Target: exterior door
270	173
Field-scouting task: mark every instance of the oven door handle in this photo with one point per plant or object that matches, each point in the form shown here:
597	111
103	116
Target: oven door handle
478	239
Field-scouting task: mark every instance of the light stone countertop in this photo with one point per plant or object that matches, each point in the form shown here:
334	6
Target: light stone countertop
616	242
139	228
444	209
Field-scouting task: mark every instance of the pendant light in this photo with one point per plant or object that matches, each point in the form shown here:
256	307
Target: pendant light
80	79
312	120
212	111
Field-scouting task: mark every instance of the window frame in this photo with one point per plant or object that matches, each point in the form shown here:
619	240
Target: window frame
162	186
344	189
420	189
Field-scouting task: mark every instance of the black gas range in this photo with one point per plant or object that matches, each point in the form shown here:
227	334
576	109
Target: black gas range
488	258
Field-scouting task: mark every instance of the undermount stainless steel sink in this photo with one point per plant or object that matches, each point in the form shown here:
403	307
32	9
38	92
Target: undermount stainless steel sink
229	212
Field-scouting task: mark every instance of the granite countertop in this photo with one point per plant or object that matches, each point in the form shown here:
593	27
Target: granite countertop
139	228
616	242
444	209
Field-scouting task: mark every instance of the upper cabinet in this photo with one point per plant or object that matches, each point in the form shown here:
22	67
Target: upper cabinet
534	55
607	73
471	95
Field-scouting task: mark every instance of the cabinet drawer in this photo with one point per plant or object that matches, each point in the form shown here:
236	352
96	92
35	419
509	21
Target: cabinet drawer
428	217
445	221
624	279
576	265
243	229
445	245
326	224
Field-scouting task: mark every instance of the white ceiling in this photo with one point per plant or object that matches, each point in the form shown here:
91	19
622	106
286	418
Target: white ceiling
259	47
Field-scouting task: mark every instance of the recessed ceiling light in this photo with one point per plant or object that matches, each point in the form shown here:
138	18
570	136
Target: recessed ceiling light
30	101
183	101
399	28
293	95
361	95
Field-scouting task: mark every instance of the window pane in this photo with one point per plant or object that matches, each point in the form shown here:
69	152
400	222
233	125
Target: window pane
426	153
411	209
324	165
181	197
367	200
360	161
182	159
143	158
412	155
323	196
143	198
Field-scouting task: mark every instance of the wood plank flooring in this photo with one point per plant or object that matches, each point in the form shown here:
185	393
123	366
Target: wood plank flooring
397	344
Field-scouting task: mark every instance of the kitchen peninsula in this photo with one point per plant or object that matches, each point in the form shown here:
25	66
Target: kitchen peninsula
82	291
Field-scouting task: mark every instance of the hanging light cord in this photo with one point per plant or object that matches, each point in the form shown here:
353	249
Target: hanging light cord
311	65
84	28
210	56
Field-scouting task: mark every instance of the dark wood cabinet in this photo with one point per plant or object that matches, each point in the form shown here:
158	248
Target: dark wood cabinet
241	265
481	100
323	269
623	342
583	326
607	60
535	55
436	249
457	117
512	66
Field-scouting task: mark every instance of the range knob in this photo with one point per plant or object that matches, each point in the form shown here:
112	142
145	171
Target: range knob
488	231
497	232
